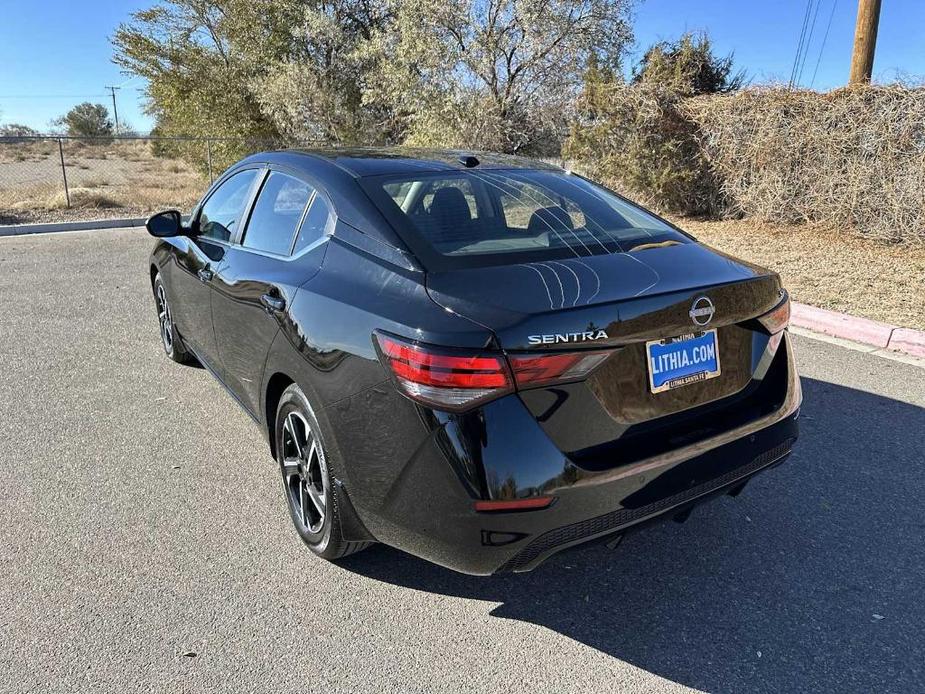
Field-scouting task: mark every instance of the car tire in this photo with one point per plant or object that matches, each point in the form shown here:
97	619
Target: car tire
170	338
312	497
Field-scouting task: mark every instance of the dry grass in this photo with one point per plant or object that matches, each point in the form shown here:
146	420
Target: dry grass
80	198
150	196
30	150
100	182
825	267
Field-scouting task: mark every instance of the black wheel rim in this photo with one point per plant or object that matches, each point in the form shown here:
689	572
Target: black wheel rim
305	473
163	317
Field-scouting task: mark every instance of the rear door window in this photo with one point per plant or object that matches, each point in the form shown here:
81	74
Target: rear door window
314	225
277	213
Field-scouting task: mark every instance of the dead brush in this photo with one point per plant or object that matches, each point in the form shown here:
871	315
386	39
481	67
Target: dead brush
851	158
56	200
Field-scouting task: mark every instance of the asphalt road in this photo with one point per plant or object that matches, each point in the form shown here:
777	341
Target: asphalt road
144	544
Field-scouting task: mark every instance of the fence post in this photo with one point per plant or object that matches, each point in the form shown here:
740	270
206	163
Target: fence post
209	145
67	195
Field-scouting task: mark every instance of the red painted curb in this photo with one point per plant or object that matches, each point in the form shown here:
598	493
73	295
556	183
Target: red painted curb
841	325
908	341
857	329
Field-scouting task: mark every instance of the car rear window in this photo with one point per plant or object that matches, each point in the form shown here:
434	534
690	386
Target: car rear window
504	214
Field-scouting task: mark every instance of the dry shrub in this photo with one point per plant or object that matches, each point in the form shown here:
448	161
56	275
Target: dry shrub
852	158
79	198
637	139
98	182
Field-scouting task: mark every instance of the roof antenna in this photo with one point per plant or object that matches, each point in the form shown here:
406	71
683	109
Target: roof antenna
468	161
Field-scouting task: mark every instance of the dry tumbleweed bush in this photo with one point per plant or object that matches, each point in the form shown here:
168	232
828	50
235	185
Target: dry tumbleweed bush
853	158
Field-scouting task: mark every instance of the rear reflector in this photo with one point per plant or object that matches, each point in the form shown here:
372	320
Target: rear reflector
777	318
539	369
531	503
446	378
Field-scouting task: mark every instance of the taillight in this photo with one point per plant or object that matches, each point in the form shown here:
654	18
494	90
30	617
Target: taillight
453	379
446	378
777	318
540	369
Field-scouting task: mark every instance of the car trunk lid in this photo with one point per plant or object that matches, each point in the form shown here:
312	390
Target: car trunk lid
630	296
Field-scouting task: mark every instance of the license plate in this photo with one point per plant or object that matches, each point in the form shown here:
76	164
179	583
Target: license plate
680	361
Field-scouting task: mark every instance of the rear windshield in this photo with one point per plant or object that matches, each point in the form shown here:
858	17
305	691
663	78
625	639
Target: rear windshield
493	215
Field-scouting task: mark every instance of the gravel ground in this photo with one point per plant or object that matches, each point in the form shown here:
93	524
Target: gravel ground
145	545
824	268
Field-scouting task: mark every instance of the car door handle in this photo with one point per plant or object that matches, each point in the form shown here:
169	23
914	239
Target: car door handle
272	303
205	274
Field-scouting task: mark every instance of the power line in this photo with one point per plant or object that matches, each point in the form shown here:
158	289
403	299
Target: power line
825	36
809	41
796	58
53	96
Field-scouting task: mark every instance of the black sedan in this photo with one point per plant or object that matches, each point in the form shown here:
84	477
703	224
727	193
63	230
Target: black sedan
478	359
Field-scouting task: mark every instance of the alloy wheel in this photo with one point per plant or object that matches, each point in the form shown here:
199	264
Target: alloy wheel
163	316
305	473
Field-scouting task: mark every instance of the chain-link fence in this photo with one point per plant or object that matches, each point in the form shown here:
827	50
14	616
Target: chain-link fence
65	178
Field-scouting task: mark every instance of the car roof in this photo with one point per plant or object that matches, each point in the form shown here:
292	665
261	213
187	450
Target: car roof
375	161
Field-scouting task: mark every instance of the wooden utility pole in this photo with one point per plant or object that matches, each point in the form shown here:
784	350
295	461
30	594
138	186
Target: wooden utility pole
115	111
865	41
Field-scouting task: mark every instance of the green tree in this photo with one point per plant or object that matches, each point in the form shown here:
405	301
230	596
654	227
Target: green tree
688	67
87	120
317	92
17	130
265	70
493	74
637	136
200	59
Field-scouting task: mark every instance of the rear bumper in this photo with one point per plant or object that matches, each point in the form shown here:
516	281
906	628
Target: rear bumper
727	468
426	505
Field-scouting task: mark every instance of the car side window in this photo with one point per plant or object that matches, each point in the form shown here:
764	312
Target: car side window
314	225
276	214
222	212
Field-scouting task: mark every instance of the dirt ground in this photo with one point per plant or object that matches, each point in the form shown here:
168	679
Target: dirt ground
823	267
105	180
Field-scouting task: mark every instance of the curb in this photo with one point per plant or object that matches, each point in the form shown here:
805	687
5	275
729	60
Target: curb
22	229
857	329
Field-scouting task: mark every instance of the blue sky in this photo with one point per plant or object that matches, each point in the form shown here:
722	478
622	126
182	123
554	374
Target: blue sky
56	53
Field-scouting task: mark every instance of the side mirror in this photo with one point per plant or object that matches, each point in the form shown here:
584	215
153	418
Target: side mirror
165	224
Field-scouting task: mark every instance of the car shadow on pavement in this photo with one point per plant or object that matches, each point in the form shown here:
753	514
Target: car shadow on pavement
812	579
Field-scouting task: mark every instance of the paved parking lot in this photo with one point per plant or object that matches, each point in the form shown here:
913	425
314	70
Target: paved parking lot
144	543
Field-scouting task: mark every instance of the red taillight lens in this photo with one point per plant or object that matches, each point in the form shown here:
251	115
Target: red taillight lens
777	318
456	380
446	378
539	369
